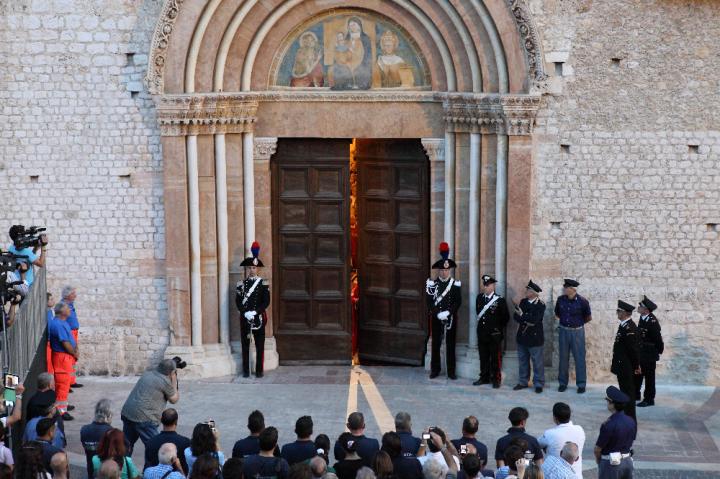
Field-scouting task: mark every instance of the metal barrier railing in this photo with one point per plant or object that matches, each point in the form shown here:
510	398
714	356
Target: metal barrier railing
28	331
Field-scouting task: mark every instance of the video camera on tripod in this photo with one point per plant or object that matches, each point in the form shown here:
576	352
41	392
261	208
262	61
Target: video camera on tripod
31	237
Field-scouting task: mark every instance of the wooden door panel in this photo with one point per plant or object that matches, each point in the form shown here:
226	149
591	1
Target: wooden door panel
310	224
393	212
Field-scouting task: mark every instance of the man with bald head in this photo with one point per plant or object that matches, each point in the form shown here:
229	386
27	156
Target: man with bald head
168	467
59	466
560	467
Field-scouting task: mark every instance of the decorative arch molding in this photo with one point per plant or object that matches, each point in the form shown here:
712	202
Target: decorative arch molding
531	44
172	8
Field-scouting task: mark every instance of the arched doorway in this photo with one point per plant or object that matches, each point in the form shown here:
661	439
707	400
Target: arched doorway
233	77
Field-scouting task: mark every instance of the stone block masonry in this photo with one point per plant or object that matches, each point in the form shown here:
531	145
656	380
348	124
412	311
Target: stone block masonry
80	154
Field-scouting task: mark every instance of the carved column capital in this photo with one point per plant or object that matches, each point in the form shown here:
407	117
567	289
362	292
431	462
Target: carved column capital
265	147
491	113
181	115
434	148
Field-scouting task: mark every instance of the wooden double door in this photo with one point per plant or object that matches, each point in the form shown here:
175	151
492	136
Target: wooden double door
312	305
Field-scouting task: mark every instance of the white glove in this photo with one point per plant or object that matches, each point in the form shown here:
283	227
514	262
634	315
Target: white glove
443	315
250	315
429	282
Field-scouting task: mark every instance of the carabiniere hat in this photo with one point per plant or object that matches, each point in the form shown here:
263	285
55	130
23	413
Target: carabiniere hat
534	287
444	262
623	306
487	279
253	260
646	303
570	283
616	395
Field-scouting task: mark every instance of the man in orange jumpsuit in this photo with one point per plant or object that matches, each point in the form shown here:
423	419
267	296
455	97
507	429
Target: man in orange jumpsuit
63	356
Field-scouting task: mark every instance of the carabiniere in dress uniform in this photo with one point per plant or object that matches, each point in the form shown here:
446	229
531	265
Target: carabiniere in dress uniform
252	298
444	298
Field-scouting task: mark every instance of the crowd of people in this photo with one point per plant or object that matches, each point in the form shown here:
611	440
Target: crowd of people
398	454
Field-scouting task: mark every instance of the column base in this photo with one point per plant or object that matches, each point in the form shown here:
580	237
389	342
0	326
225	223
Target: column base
206	361
272	359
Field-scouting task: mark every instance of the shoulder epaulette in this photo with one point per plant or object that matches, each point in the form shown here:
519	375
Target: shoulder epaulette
457	283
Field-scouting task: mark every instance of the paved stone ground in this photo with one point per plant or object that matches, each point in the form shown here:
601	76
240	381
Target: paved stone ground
678	438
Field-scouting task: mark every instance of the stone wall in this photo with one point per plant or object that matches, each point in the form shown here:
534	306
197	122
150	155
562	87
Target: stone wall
630	203
80	154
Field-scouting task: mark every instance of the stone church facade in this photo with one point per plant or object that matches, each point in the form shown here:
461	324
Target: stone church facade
541	139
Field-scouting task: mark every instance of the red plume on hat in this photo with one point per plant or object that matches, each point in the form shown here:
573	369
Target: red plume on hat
253	260
444	250
444	262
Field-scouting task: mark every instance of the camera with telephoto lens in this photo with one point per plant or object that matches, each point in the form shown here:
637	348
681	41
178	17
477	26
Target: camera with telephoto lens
11	267
28	237
179	363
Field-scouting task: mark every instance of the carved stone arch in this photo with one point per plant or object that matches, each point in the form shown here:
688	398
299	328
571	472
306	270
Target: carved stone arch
531	44
172	9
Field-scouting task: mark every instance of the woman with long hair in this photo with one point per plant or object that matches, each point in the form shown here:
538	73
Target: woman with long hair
112	446
382	465
203	441
30	464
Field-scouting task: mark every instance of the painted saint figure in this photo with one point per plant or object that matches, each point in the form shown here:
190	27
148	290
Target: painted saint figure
355	69
308	70
389	62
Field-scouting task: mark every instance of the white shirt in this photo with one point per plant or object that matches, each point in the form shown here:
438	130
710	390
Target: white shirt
555	438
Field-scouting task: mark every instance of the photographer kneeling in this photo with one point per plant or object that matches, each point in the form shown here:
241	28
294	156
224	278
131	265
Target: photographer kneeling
144	406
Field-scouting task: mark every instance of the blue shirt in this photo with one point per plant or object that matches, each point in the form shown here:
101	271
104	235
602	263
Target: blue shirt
72	320
159	471
479	446
246	447
366	448
58	333
504	442
50	315
617	434
31	258
298	451
572	312
30	433
410	444
190	459
257	465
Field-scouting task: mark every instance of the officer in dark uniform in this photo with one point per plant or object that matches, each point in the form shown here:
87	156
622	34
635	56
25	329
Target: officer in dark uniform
651	347
252	298
614	444
444	298
625	359
530	338
492	314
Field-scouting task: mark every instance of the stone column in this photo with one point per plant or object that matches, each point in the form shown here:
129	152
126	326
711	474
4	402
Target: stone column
249	189
501	213
473	241
194	210
263	150
221	200
435	150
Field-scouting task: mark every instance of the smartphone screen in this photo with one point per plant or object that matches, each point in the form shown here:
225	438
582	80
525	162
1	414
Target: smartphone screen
11	381
426	436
